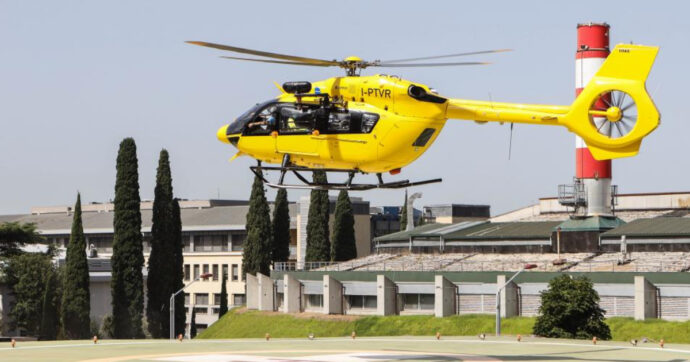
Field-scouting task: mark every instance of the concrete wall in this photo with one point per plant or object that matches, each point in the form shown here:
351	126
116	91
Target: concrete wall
332	295
252	292
292	294
509	297
386	296
645	299
444	298
101	300
266	292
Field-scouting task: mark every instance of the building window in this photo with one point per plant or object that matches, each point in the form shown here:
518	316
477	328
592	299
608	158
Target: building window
362	301
238	299
216	299
200	310
215	272
186	298
218	242
186	239
235	272
196	271
418	301
186	272
216	310
225	270
205	271
238	242
314	301
201	298
104	244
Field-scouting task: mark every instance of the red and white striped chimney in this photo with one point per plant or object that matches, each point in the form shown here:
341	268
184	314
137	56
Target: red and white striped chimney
592	50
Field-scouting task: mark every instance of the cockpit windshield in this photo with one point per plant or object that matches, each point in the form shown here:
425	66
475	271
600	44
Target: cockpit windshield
241	121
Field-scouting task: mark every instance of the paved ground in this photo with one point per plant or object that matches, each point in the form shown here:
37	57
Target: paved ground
342	349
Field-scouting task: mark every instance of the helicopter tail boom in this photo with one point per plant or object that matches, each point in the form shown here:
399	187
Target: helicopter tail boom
613	113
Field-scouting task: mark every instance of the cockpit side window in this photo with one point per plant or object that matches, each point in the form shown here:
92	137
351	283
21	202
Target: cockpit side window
263	121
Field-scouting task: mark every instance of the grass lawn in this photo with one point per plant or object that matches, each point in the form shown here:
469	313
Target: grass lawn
240	323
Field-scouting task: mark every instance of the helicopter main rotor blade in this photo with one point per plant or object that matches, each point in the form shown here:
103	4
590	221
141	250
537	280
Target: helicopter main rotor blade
277	61
396	65
264	54
447	56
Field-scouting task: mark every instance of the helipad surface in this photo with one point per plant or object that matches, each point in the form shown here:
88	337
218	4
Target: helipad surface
343	349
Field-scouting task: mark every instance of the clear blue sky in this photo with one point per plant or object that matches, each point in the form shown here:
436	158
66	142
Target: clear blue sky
78	76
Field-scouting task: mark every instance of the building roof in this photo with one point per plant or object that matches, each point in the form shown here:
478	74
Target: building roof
656	227
477	231
193	219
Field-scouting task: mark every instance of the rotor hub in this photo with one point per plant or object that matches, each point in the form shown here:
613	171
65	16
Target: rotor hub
614	114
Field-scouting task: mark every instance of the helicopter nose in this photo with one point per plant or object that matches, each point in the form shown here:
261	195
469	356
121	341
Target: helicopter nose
222	134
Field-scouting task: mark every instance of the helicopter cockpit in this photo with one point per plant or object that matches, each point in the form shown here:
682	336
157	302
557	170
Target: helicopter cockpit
299	118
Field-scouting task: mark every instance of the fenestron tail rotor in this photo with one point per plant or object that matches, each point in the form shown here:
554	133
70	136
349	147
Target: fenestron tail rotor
614	114
352	64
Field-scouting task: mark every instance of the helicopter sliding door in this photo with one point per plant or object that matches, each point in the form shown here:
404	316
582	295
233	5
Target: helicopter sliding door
295	127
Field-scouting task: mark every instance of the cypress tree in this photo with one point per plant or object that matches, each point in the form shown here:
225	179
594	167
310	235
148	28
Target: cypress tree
178	260
403	214
343	245
192	326
318	246
281	228
223	296
49	317
256	256
127	284
161	268
76	298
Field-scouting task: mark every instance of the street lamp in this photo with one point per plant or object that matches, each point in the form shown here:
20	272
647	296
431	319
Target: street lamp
204	276
498	296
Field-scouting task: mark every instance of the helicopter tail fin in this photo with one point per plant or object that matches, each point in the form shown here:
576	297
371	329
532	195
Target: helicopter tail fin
614	112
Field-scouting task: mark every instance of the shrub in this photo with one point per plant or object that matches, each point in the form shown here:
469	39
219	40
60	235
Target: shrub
570	309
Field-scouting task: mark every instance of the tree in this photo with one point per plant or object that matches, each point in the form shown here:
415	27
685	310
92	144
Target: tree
25	275
256	256
280	250
318	245
403	214
127	284
14	235
343	245
178	260
223	296
161	268
50	318
192	326
76	298
570	309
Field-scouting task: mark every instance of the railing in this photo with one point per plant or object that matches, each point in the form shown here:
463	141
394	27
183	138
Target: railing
572	195
491	265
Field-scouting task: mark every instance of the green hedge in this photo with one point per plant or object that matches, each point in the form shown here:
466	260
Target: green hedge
254	324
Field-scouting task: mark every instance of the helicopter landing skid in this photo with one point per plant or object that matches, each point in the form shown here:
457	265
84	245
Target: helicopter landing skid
347	185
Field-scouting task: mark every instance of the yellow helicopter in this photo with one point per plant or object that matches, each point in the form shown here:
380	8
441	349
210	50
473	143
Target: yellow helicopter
381	123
